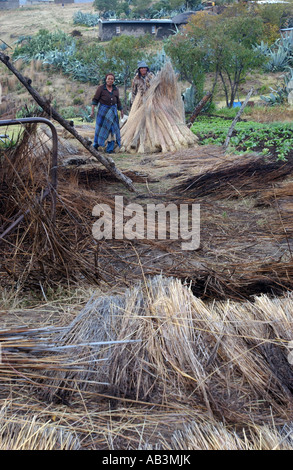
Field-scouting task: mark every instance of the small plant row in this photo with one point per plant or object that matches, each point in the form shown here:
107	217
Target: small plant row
269	139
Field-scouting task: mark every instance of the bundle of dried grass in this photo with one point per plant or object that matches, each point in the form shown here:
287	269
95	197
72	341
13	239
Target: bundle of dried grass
158	343
42	249
216	436
208	369
29	433
156	121
253	175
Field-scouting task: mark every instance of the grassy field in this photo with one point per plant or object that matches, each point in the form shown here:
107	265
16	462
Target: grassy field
28	20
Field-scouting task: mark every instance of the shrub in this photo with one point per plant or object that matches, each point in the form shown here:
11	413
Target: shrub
86	19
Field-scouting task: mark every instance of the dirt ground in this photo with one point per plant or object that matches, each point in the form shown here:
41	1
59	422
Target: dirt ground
245	217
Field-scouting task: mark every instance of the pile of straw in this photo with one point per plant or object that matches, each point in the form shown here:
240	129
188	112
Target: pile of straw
223	368
156	121
237	258
159	341
28	433
49	245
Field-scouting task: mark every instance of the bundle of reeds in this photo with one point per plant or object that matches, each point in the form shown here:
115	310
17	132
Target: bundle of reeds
216	368
159	343
156	121
252	174
29	433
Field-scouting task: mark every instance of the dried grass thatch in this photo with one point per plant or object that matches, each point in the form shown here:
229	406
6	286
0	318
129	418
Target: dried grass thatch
51	244
158	341
28	433
156	121
199	375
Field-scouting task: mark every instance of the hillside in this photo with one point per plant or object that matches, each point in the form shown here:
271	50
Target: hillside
27	20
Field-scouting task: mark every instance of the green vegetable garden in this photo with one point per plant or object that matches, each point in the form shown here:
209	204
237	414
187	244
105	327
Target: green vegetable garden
275	139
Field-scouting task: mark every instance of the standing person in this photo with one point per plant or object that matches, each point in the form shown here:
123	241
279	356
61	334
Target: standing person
141	81
107	122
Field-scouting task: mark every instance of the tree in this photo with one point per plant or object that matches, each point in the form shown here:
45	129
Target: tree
188	59
274	17
103	5
222	44
141	7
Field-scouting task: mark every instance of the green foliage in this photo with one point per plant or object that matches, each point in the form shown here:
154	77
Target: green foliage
29	110
85	114
141	8
188	59
144	8
123	53
189	99
37	46
222	44
86	61
280	94
278	56
63	53
273	138
69	112
276	97
158	60
86	19
103	5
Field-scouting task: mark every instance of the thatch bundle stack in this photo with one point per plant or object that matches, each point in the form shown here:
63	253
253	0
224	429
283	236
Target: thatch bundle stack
196	375
156	121
160	343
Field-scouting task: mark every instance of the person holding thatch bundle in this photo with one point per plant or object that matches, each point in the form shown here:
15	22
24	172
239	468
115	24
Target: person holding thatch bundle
107	121
141	81
156	122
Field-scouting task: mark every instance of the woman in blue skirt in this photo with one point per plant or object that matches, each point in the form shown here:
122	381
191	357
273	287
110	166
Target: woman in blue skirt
107	122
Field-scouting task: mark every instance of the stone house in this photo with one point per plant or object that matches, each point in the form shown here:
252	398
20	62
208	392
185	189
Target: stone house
160	28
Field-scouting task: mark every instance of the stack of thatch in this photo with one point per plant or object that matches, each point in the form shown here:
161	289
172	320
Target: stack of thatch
156	121
159	343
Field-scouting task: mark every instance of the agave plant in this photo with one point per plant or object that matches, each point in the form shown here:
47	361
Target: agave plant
262	48
278	56
189	99
278	60
158	60
87	19
85	114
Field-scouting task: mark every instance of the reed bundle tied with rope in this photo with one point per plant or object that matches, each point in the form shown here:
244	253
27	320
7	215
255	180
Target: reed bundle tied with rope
156	121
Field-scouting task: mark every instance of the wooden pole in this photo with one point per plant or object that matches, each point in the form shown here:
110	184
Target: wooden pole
53	114
199	107
237	117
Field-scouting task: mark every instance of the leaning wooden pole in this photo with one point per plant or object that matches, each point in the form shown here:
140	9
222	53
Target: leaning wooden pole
199	107
237	117
53	114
